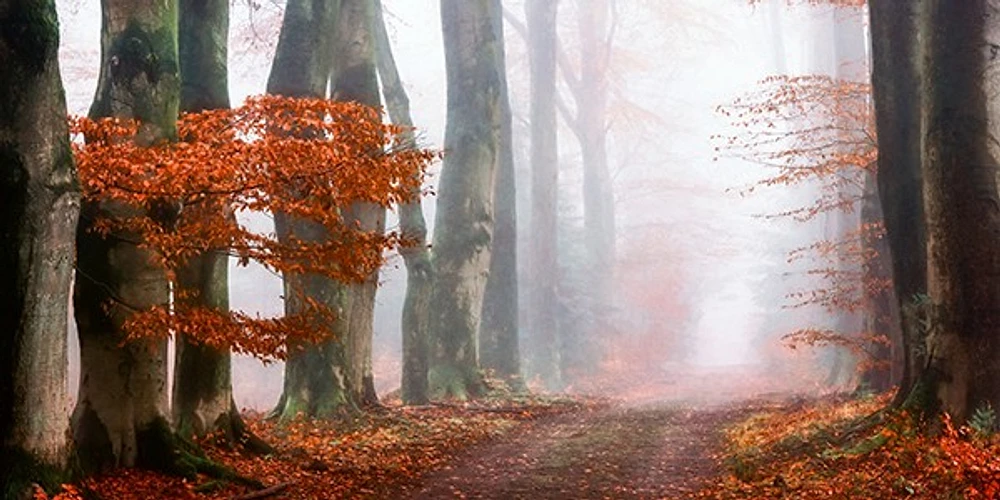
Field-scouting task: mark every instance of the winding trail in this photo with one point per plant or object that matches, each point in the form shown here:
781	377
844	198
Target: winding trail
649	451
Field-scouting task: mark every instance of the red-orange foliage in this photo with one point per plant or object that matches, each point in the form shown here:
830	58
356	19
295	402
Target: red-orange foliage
823	450
818	131
304	158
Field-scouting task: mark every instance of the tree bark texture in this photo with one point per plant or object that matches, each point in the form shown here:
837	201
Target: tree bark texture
895	88
463	229
498	338
417	257
121	416
962	212
355	79
316	383
203	389
39	206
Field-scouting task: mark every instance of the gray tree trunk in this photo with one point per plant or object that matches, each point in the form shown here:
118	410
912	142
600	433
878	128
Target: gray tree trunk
316	383
355	79
202	394
544	257
498	337
463	229
895	88
121	416
39	205
419	271
203	388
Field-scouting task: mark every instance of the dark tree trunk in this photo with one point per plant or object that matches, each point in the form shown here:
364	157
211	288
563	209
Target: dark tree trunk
355	79
897	105
498	337
315	381
463	229
419	271
39	205
543	262
962	213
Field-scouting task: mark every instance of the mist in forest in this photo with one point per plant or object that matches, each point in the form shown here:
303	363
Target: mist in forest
701	271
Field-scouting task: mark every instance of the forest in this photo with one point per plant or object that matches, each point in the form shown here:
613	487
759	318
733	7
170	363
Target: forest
318	249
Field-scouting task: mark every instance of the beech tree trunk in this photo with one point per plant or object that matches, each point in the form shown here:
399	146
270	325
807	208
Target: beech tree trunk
498	337
121	417
962	213
419	271
39	206
895	88
544	263
463	229
203	388
316	383
355	79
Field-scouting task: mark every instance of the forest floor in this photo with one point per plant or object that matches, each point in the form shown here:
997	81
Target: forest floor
655	440
608	451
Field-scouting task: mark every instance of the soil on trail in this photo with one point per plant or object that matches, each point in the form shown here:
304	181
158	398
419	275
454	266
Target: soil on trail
650	451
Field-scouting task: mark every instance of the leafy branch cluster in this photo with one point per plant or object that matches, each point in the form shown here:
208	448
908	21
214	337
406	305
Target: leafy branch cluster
305	160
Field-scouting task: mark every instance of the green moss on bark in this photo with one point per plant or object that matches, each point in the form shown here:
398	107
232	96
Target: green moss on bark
19	472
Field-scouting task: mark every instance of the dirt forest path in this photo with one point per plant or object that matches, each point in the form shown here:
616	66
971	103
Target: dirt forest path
649	451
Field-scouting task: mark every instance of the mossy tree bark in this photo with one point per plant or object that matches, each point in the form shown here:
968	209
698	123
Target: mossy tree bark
316	383
962	210
355	79
121	417
463	229
203	388
498	336
895	87
39	206
417	257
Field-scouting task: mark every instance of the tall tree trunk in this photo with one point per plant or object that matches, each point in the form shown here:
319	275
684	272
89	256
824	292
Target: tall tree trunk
121	416
463	229
355	79
39	205
596	32
203	388
316	383
419	271
897	105
543	259
962	212
498	337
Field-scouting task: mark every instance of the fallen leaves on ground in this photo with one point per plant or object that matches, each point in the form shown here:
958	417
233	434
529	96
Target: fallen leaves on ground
842	447
372	455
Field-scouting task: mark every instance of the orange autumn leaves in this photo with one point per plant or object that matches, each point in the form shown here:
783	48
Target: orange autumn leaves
305	160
